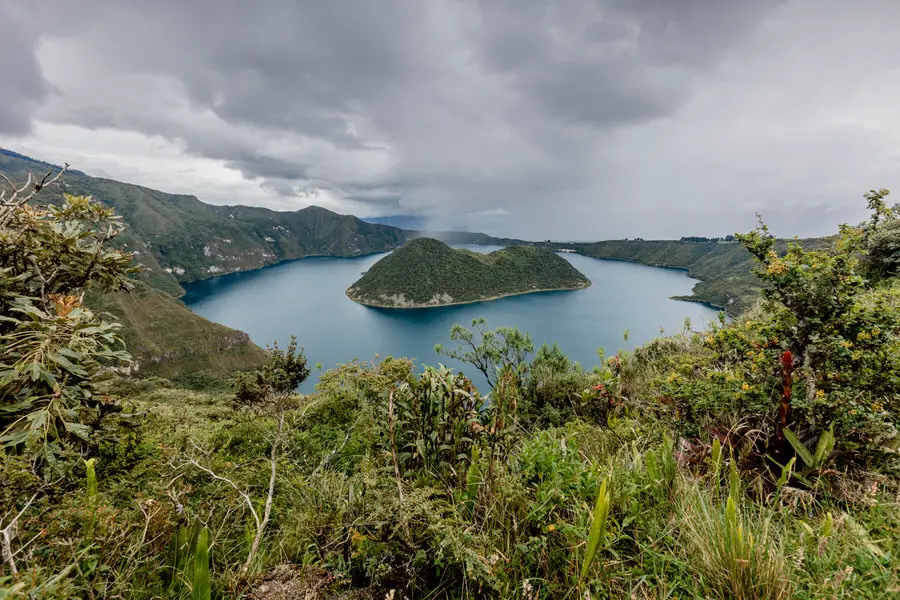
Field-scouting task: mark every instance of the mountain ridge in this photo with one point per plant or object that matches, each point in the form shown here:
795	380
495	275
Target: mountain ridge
178	238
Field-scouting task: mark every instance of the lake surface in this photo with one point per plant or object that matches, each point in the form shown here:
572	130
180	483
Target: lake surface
306	298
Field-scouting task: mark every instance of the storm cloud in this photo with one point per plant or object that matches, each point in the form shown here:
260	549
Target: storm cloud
573	119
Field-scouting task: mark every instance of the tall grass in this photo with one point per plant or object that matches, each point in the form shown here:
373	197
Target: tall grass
735	556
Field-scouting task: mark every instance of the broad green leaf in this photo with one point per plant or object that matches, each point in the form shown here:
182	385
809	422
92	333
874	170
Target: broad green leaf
597	533
799	448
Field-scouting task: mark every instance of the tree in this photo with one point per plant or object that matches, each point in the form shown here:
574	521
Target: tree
827	327
491	352
51	345
269	391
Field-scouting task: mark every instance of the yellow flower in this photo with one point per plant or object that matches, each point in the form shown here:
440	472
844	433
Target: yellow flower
848	343
748	325
876	332
820	394
877	407
551	527
856	355
672	377
710	340
745	386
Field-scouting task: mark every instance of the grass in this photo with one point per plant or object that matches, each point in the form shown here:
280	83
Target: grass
166	339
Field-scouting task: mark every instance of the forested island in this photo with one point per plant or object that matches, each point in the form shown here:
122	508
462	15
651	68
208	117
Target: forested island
426	272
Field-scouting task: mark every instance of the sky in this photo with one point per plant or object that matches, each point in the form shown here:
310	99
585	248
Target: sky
570	120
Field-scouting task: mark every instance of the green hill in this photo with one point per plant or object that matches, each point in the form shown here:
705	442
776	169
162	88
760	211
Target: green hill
166	339
181	239
725	269
426	272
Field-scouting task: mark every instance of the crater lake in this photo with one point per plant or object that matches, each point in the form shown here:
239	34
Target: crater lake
306	298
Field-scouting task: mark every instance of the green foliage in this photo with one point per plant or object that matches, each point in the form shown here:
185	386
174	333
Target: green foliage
91	475
661	468
51	345
736	557
597	534
436	423
200	587
489	351
426	272
822	452
281	374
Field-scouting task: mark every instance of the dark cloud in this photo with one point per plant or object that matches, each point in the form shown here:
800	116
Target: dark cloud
22	86
528	117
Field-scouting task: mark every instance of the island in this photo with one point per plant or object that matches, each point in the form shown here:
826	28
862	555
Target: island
425	273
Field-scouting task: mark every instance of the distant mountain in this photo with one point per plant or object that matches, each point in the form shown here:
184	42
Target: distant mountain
35	163
180	239
411	222
427	272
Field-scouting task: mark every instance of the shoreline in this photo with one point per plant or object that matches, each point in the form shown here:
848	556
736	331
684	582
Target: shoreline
491	299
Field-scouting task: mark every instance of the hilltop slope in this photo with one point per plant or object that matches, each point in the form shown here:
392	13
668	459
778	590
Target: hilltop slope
426	272
181	239
166	339
725	269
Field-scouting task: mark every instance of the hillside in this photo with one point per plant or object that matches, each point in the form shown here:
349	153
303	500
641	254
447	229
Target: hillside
167	340
725	269
181	239
426	272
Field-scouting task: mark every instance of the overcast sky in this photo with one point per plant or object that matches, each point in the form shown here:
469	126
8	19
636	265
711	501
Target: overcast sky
567	120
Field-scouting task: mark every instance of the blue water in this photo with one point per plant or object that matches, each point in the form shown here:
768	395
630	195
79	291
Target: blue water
306	298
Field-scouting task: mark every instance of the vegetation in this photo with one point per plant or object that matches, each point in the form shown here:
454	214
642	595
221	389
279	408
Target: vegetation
179	239
724	268
426	272
166	339
755	460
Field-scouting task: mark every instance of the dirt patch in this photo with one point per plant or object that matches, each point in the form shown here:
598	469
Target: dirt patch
287	582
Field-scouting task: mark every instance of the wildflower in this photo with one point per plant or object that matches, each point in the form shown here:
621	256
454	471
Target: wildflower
877	407
848	343
745	386
551	527
672	377
820	394
856	355
710	340
64	304
876	332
